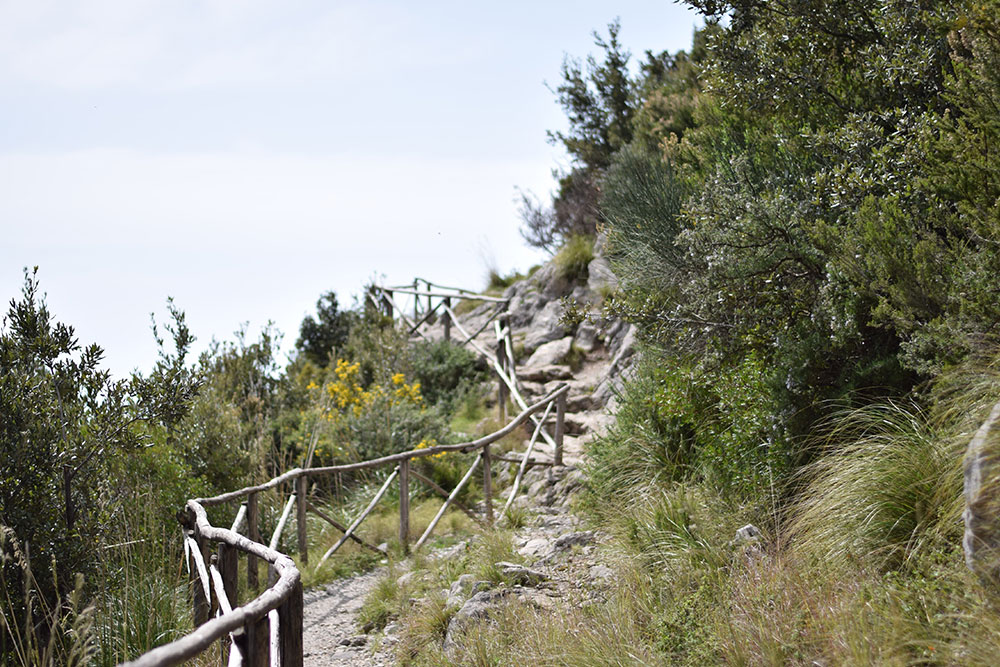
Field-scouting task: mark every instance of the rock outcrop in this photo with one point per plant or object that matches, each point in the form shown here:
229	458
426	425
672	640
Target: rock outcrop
593	357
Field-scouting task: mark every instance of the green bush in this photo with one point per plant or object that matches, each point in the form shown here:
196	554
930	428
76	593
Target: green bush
684	420
446	372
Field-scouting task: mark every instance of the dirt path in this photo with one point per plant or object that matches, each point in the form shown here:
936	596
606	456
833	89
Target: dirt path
330	633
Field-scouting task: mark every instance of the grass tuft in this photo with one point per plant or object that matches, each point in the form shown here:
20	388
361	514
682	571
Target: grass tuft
573	259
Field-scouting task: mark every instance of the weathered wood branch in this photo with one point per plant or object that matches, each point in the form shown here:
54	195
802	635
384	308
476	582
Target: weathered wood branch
203	636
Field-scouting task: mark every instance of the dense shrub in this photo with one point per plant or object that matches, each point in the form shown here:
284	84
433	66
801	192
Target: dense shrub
446	372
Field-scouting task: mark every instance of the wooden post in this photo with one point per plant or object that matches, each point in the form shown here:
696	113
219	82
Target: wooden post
416	302
290	628
387	302
488	484
503	393
404	505
428	283
371	303
228	563
300	517
447	318
557	456
253	532
257	635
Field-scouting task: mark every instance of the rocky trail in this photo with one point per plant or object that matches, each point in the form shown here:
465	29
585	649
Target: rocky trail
564	564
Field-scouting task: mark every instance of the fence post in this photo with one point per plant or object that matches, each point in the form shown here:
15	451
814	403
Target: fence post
428	283
502	391
447	318
557	456
290	628
253	532
257	633
387	302
229	570
404	505
416	302
488	484
300	517
371	303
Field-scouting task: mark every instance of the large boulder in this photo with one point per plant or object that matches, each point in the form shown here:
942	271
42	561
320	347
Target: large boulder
545	327
550	353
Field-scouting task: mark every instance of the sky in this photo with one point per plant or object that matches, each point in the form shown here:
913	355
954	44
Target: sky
245	157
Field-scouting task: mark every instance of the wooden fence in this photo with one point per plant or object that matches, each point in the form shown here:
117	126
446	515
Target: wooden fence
268	629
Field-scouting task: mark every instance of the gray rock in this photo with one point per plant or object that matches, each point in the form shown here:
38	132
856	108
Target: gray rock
463	588
536	598
546	374
622	348
583	296
550	353
405	578
600	243
586	336
544	327
580	403
573	539
747	534
477	607
535	547
600	275
520	574
357	640
550	283
982	501
602	572
524	306
531	388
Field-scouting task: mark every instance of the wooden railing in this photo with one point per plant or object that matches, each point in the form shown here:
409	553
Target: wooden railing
426	304
268	629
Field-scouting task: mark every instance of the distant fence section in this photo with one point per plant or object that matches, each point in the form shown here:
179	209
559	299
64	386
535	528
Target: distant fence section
268	629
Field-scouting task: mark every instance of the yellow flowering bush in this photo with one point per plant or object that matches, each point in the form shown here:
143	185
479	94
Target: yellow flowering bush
364	421
426	444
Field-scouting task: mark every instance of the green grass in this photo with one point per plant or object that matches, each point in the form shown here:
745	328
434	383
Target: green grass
573	259
893	491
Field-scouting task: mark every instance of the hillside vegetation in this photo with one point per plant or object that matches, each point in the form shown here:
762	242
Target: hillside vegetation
804	215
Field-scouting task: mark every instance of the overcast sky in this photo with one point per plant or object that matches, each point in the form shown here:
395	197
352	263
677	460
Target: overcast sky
246	156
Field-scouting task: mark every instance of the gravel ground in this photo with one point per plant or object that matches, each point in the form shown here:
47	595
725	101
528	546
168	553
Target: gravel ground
330	633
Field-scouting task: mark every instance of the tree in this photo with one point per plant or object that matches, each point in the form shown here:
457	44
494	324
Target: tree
65	426
607	109
319	337
599	100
